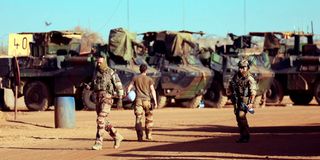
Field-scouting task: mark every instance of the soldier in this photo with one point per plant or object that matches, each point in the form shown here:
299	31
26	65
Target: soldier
243	89
144	87
105	83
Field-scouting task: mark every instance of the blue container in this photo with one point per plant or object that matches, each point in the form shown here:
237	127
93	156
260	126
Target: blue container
131	96
201	105
64	112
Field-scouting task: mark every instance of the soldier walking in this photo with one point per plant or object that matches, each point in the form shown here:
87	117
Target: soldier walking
105	83
144	88
243	88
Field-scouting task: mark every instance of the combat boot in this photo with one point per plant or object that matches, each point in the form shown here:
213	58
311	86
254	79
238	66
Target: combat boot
149	135
140	135
117	140
97	146
244	139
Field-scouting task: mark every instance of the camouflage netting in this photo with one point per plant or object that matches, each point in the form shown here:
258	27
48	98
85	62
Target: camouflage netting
177	43
121	43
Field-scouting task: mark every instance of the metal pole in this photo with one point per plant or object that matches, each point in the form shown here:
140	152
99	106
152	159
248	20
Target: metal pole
312	27
17	83
244	17
128	14
183	14
15	102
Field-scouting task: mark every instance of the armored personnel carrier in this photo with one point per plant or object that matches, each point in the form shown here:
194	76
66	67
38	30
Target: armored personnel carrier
224	64
124	54
295	61
184	79
49	64
44	65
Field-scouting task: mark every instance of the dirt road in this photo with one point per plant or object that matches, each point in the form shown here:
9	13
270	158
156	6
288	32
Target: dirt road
277	133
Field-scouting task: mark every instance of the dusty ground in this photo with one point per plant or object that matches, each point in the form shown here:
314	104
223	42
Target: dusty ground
291	132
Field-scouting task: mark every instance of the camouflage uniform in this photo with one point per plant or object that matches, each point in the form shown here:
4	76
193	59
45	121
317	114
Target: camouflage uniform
105	82
143	104
244	87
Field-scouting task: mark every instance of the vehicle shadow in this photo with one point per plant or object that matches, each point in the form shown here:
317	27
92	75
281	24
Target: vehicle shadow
48	149
265	142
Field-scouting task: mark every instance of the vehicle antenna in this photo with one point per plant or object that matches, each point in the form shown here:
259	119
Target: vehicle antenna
244	16
311	27
128	14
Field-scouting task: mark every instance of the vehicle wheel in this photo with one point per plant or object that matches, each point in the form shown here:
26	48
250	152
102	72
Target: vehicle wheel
214	96
193	103
89	100
301	98
4	100
37	96
79	104
275	92
78	99
162	101
7	100
128	105
317	92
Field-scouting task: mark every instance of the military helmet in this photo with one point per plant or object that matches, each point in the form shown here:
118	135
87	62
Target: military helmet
243	63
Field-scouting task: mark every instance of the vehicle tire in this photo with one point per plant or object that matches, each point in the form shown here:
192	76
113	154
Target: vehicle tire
162	101
317	92
79	104
78	99
128	105
89	100
301	98
193	103
275	93
37	96
215	97
6	100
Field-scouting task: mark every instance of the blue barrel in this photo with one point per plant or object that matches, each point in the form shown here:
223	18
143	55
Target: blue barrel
64	112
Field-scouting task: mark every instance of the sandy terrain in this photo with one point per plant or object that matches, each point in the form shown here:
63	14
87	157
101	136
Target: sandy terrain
291	132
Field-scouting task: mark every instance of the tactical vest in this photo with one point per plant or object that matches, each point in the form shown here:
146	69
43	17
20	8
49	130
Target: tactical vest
102	81
242	86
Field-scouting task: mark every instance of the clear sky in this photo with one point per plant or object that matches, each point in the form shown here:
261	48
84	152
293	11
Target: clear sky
214	17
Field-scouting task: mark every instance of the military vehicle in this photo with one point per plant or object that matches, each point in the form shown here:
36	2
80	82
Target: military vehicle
44	65
49	64
184	79
124	54
295	61
224	63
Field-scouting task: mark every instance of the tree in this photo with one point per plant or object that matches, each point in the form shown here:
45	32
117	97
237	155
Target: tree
89	37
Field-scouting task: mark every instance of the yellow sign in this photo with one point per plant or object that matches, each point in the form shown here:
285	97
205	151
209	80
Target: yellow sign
19	44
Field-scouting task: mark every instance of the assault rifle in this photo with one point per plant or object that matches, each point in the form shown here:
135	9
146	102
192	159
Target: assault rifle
234	99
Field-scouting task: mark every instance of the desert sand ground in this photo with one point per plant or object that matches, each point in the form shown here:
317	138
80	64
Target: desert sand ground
291	132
